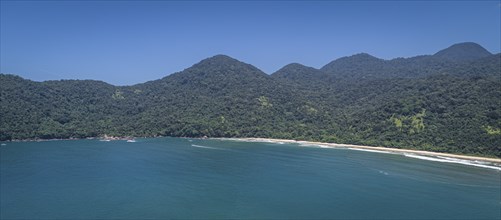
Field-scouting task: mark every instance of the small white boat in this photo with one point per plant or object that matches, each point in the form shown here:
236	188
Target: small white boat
131	141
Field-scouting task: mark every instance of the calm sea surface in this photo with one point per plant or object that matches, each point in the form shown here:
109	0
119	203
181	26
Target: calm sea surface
192	178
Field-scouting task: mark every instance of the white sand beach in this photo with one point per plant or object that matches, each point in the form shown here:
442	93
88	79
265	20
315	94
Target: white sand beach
486	162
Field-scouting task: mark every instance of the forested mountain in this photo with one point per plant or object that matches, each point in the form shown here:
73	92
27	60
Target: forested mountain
447	102
463	51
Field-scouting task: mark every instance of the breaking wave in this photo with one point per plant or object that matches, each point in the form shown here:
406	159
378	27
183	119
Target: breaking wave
374	151
453	160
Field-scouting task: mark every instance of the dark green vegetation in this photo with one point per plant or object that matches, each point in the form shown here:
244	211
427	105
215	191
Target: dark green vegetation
447	102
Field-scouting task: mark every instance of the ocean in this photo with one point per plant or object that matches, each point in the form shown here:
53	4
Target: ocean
181	178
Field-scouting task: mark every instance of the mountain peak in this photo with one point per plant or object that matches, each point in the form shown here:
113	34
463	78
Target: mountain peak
223	63
363	56
294	66
463	51
220	58
359	57
354	61
221	67
296	71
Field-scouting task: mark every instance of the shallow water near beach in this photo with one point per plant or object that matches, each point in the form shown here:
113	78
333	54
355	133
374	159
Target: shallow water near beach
193	178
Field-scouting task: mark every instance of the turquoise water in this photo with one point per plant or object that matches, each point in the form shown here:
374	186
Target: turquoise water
193	178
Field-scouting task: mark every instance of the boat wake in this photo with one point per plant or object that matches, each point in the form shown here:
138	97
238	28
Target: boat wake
206	147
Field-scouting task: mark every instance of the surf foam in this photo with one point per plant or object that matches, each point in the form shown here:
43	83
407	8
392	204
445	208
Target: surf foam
453	160
373	151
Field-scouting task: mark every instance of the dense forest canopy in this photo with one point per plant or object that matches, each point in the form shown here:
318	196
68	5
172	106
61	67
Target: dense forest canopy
446	102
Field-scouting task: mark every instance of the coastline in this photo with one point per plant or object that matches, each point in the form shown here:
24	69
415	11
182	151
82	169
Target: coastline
418	154
406	152
104	138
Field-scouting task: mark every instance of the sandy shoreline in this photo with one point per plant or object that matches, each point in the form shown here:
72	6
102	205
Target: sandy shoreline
475	159
495	161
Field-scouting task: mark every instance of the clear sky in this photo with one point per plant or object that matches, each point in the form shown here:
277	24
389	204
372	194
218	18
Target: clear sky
128	42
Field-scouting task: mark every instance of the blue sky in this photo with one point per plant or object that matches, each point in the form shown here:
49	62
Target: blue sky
128	42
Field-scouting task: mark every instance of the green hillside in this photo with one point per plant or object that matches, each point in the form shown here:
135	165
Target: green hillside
447	102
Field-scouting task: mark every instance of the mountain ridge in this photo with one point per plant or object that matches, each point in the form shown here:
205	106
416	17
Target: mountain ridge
424	103
463	51
361	58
